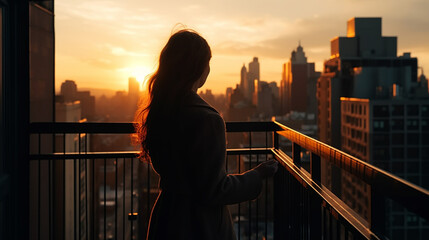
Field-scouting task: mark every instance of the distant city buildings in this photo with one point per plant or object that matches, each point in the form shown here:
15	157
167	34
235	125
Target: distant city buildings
298	84
70	94
372	105
252	98
249	79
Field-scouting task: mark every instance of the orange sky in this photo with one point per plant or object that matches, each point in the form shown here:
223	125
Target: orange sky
99	44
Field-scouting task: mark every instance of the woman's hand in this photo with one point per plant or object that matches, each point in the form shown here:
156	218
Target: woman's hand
267	169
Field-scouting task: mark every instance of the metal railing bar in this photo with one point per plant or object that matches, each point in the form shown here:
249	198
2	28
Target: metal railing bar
251	127
86	187
346	213
127	154
79	176
93	199
257	206
128	128
38	191
239	205
88	155
116	198
105	199
50	195
266	188
250	201
74	198
64	187
123	199
86	127
148	193
132	197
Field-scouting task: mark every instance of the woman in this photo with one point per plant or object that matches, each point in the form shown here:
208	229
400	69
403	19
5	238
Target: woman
184	139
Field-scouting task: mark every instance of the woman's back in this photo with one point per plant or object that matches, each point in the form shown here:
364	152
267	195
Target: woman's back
184	138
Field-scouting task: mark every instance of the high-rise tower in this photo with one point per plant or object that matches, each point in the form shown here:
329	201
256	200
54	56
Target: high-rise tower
371	106
253	77
298	84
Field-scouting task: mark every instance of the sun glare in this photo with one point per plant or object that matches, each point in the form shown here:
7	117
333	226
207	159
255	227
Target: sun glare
141	73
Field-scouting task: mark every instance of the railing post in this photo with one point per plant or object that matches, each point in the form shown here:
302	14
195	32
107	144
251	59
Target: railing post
378	212
315	217
315	201
281	204
315	168
296	154
276	140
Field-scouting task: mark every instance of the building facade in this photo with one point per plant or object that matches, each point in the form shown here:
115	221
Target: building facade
372	105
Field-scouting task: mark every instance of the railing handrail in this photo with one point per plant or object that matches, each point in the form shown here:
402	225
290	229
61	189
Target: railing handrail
127	154
385	183
128	127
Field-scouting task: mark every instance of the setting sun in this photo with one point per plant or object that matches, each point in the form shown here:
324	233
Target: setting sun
141	73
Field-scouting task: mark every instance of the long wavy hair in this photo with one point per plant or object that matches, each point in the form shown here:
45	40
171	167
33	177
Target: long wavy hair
181	63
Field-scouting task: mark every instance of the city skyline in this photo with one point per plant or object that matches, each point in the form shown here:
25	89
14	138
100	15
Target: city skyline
124	39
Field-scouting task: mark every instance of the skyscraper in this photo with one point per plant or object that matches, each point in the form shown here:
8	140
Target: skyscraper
253	77
244	83
133	89
371	105
133	94
298	84
250	79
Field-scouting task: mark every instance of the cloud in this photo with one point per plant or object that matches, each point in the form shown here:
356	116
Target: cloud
314	37
120	51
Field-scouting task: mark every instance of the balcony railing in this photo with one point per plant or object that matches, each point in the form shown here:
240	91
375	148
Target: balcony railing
79	193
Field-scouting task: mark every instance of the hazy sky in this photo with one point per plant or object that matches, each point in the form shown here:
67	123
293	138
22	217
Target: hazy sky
100	44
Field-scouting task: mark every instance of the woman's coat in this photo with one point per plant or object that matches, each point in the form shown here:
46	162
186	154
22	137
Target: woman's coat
195	188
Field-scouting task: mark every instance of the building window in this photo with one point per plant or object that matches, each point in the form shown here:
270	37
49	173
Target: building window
412	110
398	167
425	124
425	153
398	138
413	167
413	138
397	124
381	139
381	125
413	152
398	153
381	154
381	111
398	220
425	138
413	124
425	110
398	110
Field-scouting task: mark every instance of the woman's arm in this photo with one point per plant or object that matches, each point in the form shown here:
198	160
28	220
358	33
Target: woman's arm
213	184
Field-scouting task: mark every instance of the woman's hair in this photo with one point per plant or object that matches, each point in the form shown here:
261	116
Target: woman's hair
181	63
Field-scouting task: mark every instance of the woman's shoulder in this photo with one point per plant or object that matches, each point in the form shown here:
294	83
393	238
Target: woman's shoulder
199	110
195	103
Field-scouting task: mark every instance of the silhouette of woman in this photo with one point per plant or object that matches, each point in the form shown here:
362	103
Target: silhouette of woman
184	139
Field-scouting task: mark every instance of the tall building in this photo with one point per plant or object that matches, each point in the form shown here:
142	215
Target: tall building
253	78
133	94
373	106
70	93
244	83
298	84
